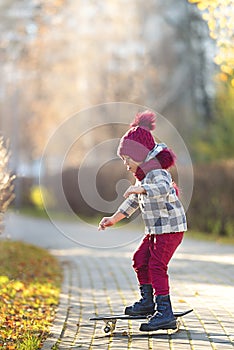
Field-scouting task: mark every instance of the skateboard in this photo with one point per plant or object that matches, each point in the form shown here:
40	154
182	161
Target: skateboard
111	320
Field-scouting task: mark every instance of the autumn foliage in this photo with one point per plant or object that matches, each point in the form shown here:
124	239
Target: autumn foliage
29	290
6	181
219	16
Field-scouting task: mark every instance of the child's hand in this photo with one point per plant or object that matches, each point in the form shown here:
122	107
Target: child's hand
105	222
110	220
135	190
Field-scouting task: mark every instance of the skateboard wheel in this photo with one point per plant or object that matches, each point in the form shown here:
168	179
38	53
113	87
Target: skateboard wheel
107	329
176	329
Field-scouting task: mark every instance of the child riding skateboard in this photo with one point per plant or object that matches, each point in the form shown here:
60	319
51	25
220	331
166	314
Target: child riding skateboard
165	222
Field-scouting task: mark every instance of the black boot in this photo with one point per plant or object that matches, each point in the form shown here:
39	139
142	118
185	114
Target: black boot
145	306
163	317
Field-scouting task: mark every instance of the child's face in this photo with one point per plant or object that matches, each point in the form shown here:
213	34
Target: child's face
130	164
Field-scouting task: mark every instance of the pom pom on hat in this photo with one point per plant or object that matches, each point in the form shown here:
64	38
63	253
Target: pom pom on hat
138	140
166	158
145	120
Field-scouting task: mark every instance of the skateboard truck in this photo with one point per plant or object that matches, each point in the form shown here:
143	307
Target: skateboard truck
110	325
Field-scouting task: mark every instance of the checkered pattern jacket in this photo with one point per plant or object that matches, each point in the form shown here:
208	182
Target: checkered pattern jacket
161	209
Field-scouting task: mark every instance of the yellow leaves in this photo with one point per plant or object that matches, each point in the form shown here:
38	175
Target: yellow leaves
3	279
219	15
211	3
206	16
202	5
36	197
39	195
212	25
25	308
29	292
223	22
18	286
226	69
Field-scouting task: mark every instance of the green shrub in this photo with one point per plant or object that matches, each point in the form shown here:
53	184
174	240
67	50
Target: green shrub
211	208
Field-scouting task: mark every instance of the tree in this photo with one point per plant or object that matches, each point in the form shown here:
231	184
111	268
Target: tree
219	15
73	55
216	141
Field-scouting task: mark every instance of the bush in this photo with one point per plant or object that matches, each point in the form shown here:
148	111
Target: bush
211	209
106	179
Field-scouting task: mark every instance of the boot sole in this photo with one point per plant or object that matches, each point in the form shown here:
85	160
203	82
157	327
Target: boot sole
145	327
146	314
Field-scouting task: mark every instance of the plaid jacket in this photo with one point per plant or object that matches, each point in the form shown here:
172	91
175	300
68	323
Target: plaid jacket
161	209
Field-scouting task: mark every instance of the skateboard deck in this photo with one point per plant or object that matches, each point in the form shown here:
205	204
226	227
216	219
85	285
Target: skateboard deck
111	320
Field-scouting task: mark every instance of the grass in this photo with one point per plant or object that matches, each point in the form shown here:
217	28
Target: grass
30	280
33	212
212	237
42	214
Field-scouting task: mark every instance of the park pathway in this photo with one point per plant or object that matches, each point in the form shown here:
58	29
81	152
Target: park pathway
99	281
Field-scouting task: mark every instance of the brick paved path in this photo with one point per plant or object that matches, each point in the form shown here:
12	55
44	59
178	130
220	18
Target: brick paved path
99	281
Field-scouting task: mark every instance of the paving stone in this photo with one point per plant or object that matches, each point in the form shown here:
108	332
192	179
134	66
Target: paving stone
103	282
99	281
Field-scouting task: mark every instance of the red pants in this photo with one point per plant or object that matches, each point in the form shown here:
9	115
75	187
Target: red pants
151	259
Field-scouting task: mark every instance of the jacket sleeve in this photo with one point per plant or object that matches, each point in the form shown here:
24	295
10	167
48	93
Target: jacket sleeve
129	206
158	184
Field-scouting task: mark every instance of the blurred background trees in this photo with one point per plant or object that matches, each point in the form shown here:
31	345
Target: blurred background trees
58	57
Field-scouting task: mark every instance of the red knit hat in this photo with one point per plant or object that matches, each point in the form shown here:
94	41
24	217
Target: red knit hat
138	141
